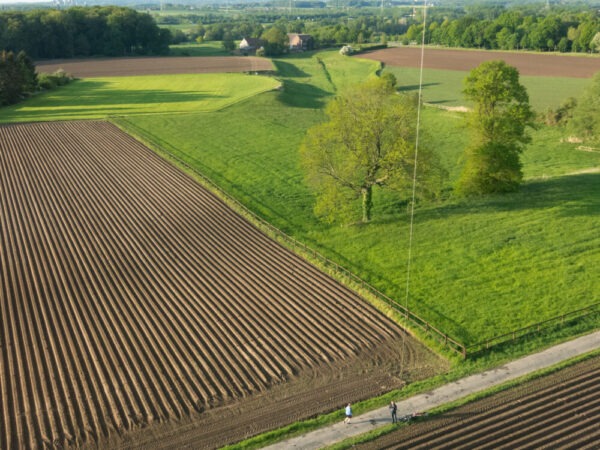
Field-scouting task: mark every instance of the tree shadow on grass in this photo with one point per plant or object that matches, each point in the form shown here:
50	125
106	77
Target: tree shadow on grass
93	98
302	95
570	195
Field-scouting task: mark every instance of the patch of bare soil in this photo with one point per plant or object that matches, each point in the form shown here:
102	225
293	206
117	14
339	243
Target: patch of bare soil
561	410
123	67
534	64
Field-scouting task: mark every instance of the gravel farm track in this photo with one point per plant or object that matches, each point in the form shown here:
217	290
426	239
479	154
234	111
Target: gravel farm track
138	310
561	410
528	64
122	67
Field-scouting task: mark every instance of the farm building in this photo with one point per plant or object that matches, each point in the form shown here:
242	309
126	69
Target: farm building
250	45
301	42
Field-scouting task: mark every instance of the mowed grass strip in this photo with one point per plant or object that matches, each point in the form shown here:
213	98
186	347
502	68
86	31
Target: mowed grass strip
95	98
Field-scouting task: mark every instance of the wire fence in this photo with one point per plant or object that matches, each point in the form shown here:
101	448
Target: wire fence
340	271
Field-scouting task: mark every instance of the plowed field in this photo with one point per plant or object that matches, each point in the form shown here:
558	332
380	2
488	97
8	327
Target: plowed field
561	410
122	67
134	306
533	64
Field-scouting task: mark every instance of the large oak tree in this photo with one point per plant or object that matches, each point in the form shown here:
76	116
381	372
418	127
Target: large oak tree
368	141
499	123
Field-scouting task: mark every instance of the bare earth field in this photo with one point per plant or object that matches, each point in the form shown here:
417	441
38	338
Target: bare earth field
138	310
533	64
561	410
123	67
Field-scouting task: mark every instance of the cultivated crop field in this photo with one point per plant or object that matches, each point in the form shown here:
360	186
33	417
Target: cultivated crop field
132	299
121	67
561	410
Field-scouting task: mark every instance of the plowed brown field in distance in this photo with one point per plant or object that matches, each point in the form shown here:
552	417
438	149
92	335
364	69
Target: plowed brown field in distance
121	67
561	410
137	309
533	64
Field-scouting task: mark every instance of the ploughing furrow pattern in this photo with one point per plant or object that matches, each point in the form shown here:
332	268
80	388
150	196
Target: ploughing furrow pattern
131	295
558	411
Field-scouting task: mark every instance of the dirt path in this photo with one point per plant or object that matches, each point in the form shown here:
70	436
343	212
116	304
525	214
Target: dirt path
132	299
534	64
454	391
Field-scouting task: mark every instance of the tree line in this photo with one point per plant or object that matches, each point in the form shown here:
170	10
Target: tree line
525	27
79	31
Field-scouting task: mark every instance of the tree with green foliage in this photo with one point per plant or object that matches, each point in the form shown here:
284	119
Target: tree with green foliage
276	41
228	42
499	123
368	141
585	122
17	77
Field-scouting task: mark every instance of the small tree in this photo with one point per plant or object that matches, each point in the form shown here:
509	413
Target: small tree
499	121
367	142
586	115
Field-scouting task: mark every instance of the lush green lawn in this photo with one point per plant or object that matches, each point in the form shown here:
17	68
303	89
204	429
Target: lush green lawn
443	87
94	98
479	268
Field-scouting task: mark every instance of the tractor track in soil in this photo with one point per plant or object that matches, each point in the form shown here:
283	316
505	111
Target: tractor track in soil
136	306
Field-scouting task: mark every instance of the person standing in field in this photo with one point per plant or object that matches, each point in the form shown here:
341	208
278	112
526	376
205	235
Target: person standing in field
393	410
348	413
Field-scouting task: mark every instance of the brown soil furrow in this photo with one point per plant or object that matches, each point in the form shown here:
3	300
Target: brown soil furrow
255	242
46	422
566	421
175	402
513	416
137	300
57	361
560	410
212	244
276	268
116	67
70	317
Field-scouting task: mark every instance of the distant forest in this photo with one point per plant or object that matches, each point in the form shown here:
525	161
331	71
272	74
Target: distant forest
526	27
78	31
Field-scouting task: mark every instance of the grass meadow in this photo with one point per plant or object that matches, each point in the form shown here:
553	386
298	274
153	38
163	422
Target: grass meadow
98	98
444	87
479	267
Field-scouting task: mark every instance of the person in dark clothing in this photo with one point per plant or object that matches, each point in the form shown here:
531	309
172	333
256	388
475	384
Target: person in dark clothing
393	410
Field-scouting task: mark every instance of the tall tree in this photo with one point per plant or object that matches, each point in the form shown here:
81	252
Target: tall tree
368	141
499	124
17	77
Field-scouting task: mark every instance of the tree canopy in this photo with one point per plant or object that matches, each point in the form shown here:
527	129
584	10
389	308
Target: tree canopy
368	141
17	77
586	114
499	122
79	31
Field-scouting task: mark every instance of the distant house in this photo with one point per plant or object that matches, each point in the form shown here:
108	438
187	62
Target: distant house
250	45
301	42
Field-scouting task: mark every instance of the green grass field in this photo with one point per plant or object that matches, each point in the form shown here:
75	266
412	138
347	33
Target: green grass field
444	87
95	98
480	267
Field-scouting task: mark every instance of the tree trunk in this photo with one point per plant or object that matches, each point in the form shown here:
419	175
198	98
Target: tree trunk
367	203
